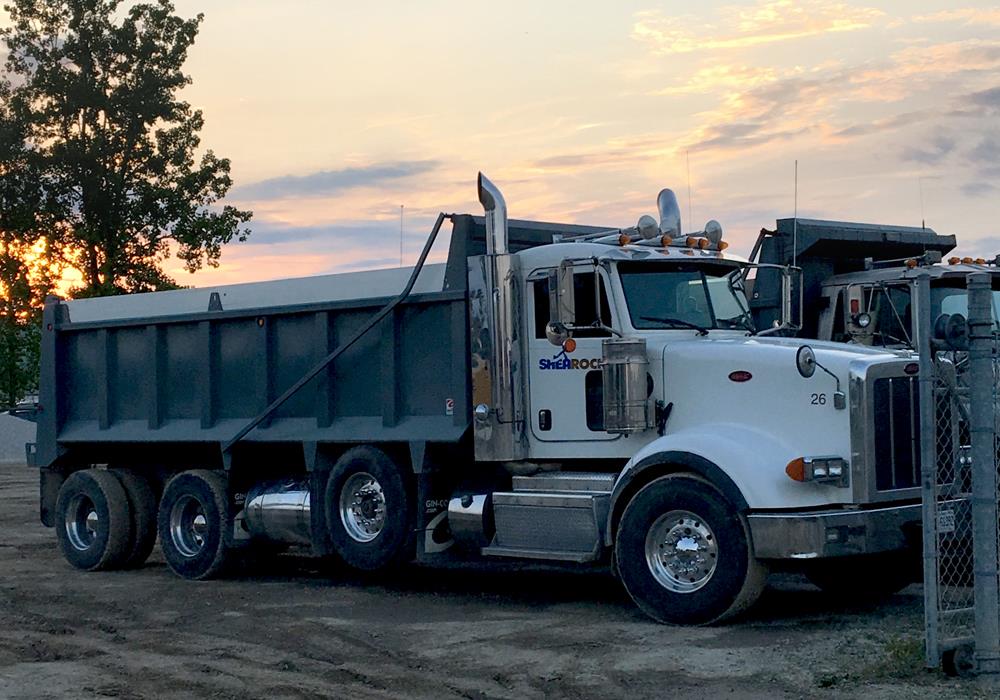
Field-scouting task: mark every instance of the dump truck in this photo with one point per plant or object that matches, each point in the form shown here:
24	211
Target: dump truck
856	279
558	393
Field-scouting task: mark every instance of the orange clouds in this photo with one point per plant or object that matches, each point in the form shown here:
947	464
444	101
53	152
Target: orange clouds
966	15
766	22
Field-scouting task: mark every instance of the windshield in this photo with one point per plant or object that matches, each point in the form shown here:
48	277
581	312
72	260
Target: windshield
890	309
955	300
685	296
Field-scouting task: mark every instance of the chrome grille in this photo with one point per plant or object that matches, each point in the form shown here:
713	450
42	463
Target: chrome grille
897	449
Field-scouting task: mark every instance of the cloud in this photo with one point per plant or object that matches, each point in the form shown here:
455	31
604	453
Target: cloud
329	182
939	148
986	151
765	22
977	189
721	76
763	105
985	98
965	15
892	123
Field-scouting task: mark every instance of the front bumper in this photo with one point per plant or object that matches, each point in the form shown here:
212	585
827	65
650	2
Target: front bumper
833	533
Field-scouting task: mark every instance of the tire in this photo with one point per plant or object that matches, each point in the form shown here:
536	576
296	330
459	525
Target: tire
721	580
871	576
368	510
193	522
142	507
93	525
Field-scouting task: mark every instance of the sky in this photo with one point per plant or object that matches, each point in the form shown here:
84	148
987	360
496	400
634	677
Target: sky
335	113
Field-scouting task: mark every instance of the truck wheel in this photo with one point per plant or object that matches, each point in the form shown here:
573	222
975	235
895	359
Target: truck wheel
869	576
368	509
93	524
192	522
142	507
683	553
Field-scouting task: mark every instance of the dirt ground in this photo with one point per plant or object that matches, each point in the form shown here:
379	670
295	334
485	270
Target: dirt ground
292	630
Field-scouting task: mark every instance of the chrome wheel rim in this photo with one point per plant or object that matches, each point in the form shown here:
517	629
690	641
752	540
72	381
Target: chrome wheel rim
681	551
188	526
82	522
362	507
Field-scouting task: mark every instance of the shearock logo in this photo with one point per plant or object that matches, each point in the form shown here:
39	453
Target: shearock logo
563	361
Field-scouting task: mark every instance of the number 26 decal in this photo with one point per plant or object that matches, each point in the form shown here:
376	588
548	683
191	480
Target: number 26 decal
818	399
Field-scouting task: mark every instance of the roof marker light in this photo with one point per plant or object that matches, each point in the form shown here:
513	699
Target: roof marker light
954	261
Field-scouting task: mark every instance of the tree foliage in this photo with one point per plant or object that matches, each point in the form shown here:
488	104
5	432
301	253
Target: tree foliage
110	156
101	166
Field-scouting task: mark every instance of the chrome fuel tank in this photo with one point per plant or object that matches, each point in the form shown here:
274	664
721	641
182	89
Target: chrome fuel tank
279	511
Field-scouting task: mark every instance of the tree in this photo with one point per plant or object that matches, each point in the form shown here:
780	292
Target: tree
27	268
108	154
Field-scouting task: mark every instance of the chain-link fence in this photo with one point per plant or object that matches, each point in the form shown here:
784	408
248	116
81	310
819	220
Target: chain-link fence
959	450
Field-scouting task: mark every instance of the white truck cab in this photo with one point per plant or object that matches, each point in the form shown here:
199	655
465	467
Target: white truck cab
637	356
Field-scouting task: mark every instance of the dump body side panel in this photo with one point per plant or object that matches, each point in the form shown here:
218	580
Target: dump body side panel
199	378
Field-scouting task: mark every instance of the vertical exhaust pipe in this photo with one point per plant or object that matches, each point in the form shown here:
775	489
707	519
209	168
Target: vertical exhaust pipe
496	216
670	213
500	437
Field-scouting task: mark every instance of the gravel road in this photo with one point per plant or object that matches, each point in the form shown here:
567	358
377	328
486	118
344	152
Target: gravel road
295	629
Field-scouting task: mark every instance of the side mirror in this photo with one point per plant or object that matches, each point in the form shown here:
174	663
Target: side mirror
805	361
556	333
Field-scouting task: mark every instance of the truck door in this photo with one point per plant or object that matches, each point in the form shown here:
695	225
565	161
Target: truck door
565	392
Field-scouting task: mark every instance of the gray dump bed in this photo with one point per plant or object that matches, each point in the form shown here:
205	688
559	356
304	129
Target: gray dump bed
163	368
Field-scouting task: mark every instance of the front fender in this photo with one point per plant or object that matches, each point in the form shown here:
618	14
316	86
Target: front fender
746	466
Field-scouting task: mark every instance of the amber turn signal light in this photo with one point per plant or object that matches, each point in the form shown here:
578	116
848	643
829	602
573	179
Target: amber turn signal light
796	469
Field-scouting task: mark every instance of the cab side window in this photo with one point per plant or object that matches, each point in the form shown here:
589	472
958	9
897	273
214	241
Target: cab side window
839	334
586	306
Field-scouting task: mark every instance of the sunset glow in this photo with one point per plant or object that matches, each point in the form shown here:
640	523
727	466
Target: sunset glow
335	114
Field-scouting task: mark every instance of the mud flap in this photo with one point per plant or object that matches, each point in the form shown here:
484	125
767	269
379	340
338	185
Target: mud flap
49	483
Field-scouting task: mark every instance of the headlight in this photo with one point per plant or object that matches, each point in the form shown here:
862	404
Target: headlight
821	470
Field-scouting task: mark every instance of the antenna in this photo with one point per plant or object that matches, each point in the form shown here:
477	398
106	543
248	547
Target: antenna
920	185
795	219
687	154
400	235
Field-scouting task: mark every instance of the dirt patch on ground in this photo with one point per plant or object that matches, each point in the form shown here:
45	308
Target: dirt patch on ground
293	628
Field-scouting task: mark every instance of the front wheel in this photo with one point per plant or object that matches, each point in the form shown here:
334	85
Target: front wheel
683	553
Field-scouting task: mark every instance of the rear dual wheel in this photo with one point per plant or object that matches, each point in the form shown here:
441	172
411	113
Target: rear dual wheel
193	523
142	510
368	510
94	525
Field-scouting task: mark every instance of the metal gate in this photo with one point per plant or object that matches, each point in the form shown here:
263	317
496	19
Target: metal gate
958	441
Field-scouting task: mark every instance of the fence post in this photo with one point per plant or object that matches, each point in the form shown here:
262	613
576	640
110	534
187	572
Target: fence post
984	473
921	300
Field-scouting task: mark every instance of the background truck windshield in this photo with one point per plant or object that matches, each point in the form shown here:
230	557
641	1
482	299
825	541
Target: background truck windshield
678	296
955	300
890	309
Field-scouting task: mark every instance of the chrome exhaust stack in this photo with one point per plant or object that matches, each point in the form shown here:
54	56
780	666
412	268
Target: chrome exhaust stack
495	209
670	213
499	434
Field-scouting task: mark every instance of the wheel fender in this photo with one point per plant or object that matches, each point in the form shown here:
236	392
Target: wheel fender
660	464
746	466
